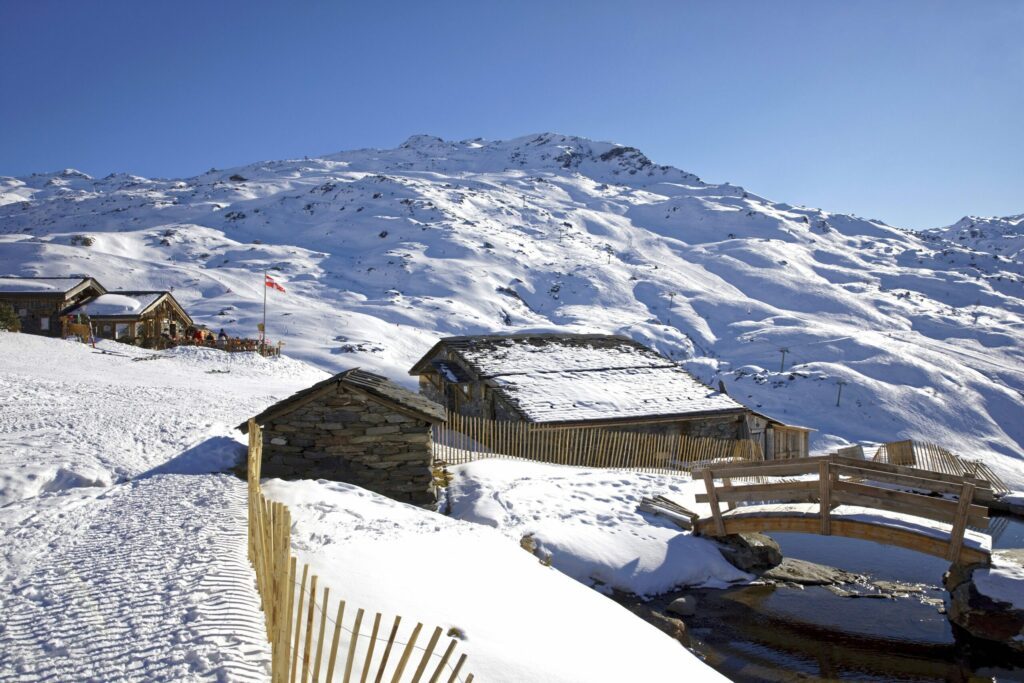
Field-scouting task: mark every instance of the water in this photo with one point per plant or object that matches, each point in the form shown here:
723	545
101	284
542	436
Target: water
766	633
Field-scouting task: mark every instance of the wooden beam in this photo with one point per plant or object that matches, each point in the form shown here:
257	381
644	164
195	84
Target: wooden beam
956	538
716	511
775	468
785	491
907	480
825	497
929	507
810	524
911	471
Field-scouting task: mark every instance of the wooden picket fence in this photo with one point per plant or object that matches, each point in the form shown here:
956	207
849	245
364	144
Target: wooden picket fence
294	612
927	456
464	439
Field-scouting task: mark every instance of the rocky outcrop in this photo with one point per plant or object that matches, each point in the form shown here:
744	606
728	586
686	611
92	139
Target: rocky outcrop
982	615
808	574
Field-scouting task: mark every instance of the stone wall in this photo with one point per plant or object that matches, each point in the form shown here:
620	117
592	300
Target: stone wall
715	427
346	435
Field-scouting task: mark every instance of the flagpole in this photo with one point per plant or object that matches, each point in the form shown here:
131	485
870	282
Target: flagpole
263	333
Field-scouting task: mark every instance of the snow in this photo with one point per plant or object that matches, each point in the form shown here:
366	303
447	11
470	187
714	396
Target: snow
122	540
609	394
532	355
1013	498
585	520
522	621
386	251
44	285
116	304
114	512
1002	581
896	520
122	549
106	415
147	581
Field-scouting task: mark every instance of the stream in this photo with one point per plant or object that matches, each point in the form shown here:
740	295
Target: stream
787	632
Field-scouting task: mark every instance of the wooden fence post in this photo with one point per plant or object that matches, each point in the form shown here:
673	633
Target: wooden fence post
716	511
956	537
825	496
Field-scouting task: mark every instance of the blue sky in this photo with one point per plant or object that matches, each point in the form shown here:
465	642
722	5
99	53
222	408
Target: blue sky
912	112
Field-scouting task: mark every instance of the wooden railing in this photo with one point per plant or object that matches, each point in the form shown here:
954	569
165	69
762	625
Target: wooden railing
464	439
233	345
294	611
843	481
927	456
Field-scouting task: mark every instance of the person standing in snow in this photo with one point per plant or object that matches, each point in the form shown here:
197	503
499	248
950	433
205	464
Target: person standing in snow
222	338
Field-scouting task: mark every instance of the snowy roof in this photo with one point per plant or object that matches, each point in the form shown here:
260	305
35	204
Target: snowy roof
119	304
618	393
40	285
559	378
496	355
380	387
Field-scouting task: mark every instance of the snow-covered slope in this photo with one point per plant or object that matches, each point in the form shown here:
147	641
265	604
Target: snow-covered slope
122	545
383	251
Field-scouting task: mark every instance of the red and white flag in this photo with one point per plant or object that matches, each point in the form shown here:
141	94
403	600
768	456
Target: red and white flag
272	284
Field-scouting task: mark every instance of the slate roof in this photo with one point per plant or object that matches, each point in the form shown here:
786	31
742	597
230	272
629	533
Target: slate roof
565	378
375	385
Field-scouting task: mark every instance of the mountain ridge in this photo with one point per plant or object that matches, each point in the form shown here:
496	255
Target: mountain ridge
383	251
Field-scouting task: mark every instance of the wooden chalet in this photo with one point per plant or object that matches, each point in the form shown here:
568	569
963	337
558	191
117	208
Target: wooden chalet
590	381
40	302
149	318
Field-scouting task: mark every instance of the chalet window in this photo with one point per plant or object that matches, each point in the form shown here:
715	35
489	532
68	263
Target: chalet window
44	324
121	330
22	312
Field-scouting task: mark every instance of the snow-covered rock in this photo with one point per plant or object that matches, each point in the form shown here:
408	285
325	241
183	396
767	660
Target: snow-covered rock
585	522
988	601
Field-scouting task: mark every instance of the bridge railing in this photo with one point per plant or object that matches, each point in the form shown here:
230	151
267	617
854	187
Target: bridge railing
933	458
835	480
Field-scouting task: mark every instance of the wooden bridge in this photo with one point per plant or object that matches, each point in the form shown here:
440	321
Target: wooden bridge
840	496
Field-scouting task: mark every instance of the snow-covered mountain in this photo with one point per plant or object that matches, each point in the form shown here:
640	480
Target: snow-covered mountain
999	236
383	251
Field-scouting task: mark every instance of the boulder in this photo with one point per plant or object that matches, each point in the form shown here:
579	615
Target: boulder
685	606
750	552
985	616
808	574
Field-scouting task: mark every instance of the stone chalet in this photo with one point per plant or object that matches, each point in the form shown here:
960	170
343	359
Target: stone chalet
589	380
356	427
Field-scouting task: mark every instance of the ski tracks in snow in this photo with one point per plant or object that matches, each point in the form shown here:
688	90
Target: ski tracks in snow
144	581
